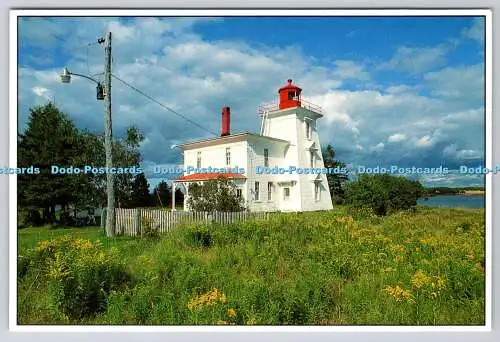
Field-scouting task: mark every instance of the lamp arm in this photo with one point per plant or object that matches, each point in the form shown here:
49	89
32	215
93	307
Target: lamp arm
84	76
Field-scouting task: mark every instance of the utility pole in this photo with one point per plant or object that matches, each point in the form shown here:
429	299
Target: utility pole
108	136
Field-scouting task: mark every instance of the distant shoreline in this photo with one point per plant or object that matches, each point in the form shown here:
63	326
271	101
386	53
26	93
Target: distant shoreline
465	193
473	192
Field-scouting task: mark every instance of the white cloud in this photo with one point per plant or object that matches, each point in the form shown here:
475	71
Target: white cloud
452	152
379	147
400	89
475	31
415	60
458	83
397	137
424	141
350	70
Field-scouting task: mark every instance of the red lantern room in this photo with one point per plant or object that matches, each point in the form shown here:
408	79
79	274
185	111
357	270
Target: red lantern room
289	96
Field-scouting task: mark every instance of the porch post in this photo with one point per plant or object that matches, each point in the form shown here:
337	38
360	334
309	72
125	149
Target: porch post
173	195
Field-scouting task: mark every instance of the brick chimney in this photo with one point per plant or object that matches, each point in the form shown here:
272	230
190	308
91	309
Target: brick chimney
226	121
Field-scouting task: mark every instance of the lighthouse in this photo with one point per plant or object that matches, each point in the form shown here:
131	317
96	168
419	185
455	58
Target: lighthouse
296	120
288	140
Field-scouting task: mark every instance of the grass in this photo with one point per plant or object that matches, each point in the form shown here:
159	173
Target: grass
336	268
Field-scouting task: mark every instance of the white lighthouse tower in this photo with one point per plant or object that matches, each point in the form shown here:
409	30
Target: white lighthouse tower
296	120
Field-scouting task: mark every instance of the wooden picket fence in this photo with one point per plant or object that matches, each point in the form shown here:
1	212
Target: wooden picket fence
133	222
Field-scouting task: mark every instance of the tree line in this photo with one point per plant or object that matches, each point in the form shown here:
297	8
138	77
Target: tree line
51	138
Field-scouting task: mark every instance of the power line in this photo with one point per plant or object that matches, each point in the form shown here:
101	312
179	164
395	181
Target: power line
161	104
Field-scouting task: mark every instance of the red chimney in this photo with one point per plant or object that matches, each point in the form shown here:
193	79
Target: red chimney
226	119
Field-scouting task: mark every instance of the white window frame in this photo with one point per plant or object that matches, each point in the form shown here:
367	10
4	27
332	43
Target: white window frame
269	191
317	191
285	196
308	129
198	159
228	156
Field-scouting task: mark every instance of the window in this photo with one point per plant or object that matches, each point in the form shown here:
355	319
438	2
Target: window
311	162
228	156
198	160
257	185
239	193
317	191
286	194
269	191
291	95
266	157
308	130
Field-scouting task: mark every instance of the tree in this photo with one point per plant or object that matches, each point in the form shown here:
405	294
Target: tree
384	193
126	153
140	191
52	139
162	194
179	197
49	139
214	195
336	181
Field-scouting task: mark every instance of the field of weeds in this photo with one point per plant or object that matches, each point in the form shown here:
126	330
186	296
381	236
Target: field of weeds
318	268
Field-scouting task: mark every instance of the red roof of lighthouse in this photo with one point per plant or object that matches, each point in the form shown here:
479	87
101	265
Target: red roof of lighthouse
207	176
289	86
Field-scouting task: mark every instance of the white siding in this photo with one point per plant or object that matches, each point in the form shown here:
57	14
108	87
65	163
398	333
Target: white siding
290	125
215	156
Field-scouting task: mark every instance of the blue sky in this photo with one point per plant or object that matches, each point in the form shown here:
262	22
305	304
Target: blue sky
407	91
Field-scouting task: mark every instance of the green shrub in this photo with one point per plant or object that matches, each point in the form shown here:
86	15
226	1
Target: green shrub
80	274
148	229
215	195
384	193
199	236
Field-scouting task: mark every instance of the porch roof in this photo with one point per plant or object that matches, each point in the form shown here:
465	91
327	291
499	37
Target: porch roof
196	177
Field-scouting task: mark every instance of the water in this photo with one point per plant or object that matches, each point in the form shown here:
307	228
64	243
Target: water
472	201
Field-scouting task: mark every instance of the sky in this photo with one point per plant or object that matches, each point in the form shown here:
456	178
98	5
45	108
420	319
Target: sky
405	91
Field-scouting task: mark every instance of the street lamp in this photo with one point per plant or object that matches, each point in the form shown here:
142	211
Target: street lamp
104	93
66	78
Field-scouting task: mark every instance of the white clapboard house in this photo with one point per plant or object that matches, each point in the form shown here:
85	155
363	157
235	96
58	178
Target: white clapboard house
288	138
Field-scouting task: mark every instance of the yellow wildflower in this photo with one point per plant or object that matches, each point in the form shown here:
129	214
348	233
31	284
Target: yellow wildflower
440	283
420	279
231	313
398	293
252	321
43	245
207	299
220	322
82	244
346	219
100	257
397	248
